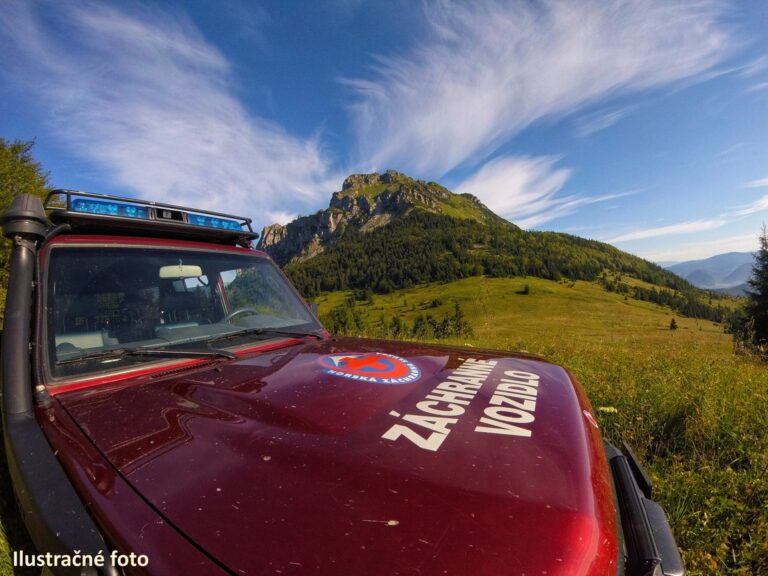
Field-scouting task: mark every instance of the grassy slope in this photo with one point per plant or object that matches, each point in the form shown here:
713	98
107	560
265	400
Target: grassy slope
696	414
13	535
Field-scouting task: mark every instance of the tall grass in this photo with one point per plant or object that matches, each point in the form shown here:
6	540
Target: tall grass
13	535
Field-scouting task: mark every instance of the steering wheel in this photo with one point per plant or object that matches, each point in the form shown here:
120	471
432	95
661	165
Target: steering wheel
229	317
67	348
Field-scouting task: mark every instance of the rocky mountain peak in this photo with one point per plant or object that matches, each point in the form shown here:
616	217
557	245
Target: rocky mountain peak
365	202
358	181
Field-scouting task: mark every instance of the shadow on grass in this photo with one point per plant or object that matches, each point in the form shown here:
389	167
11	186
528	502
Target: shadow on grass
13	533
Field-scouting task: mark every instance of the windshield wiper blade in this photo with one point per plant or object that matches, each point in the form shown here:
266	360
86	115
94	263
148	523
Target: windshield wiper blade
267	331
163	352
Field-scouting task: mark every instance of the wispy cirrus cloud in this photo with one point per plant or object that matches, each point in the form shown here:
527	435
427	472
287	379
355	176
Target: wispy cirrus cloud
486	70
693	226
759	205
281	217
524	189
687	227
705	249
758	87
146	98
754	67
593	123
759	183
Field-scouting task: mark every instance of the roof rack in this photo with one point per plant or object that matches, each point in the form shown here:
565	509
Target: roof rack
86	211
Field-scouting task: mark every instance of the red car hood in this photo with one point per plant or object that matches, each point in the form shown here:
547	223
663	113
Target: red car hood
360	456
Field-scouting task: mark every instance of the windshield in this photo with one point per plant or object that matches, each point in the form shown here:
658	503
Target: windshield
106	306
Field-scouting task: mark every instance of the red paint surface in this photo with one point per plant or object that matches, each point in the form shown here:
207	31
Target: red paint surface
271	465
124	518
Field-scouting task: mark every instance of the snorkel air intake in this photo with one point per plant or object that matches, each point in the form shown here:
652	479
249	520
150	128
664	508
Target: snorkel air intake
24	224
53	513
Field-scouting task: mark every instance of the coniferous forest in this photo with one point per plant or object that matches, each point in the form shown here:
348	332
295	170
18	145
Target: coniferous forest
423	247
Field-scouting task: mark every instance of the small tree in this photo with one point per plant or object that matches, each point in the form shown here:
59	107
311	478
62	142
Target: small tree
20	173
420	328
459	326
756	308
338	320
673	324
396	327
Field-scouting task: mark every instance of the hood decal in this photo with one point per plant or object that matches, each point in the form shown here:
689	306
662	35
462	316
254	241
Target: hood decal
441	408
511	406
373	367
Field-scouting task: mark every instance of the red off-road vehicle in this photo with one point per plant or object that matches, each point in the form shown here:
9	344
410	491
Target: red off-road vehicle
171	406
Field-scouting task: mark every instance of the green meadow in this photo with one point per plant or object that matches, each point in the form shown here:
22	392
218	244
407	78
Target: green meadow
694	412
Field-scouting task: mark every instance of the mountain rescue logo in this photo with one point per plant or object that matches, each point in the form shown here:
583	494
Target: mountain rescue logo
374	367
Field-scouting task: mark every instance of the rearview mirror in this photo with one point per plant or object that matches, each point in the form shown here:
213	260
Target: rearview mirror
178	271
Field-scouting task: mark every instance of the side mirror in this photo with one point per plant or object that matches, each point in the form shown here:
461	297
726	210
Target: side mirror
313	307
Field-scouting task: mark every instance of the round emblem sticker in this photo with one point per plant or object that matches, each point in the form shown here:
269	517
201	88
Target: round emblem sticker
375	367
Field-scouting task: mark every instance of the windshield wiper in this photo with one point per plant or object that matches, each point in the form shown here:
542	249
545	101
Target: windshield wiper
268	332
163	352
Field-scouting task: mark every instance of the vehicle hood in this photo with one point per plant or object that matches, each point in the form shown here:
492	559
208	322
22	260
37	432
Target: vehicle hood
349	456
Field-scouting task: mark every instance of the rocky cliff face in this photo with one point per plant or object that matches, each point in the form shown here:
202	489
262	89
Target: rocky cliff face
365	202
302	238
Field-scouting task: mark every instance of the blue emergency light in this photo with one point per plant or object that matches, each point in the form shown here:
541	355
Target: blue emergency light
90	206
211	222
85	208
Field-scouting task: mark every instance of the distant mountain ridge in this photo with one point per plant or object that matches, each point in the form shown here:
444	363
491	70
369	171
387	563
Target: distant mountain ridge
738	290
724	272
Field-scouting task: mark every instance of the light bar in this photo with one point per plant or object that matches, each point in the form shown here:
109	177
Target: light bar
109	208
211	222
88	206
99	211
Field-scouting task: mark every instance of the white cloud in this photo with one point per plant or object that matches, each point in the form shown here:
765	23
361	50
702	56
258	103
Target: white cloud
693	226
488	69
699	250
757	206
754	67
282	217
760	183
144	96
758	87
524	189
671	230
592	123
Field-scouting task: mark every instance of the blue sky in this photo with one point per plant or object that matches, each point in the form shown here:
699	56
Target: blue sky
642	124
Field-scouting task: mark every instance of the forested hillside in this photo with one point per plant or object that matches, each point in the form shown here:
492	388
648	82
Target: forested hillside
426	247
